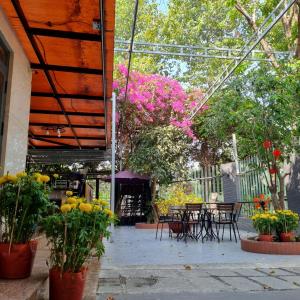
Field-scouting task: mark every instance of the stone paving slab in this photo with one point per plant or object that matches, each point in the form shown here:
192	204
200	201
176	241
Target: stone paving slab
275	283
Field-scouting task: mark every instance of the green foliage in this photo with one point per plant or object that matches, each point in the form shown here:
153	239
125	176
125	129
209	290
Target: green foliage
161	152
75	232
261	105
23	202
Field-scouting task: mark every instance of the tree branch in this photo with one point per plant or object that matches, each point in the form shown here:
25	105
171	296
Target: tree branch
264	43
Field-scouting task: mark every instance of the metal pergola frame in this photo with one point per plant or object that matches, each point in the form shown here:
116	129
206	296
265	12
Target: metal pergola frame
188	51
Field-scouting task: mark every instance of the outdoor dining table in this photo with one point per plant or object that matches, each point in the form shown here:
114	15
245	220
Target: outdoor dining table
204	220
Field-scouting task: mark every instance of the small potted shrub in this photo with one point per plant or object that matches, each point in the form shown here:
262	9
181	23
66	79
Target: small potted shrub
265	223
288	221
73	234
23	201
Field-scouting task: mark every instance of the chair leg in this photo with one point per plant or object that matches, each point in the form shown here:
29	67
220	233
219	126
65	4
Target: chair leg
218	231
237	228
230	232
233	228
223	231
156	230
161	231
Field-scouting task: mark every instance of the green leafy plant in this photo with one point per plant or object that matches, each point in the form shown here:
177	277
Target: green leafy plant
288	221
75	231
23	202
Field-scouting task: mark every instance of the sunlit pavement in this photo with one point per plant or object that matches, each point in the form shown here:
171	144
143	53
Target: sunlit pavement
136	266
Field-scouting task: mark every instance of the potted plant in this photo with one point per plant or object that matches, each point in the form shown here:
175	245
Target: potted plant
288	221
23	200
265	223
73	234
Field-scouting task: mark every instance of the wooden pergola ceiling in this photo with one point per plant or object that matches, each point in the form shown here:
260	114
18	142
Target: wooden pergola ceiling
70	45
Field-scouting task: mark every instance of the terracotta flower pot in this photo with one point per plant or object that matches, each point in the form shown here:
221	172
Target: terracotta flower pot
287	236
265	237
18	263
66	286
175	227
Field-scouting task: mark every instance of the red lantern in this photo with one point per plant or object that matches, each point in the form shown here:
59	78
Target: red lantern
276	153
267	144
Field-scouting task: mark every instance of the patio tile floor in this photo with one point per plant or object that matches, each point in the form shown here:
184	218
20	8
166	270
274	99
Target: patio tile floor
136	266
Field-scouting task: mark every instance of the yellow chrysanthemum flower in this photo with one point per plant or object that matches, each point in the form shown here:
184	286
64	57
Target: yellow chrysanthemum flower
21	174
74	205
11	178
44	178
97	208
65	208
85	207
72	200
69	193
3	179
108	212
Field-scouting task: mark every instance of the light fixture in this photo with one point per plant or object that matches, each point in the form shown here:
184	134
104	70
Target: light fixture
56	129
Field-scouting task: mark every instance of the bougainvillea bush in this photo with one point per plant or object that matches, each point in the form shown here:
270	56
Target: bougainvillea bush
153	100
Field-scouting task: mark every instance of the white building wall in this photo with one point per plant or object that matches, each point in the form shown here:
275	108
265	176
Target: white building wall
16	120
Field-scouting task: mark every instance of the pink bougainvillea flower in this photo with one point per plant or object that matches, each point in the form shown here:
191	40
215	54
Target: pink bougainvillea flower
267	144
276	153
115	85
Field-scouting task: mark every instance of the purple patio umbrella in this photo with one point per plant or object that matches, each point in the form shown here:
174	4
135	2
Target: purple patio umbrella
128	177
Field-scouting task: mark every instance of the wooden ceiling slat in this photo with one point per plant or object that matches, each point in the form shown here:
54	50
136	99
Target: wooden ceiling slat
73	49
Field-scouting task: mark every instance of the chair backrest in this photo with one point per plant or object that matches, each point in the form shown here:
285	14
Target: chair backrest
225	207
237	210
193	206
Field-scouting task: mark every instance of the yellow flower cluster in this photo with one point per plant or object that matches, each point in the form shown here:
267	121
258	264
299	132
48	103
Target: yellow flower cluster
8	178
86	207
69	193
55	176
265	216
41	178
287	213
74	202
178	198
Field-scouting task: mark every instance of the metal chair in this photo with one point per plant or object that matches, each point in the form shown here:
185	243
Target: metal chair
225	215
161	219
194	218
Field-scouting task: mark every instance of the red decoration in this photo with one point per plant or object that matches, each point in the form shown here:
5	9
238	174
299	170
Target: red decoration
267	144
276	153
272	170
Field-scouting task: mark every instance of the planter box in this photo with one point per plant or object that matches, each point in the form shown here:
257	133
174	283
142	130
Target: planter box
150	226
287	248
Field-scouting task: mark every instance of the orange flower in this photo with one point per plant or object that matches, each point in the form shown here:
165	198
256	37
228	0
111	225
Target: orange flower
261	196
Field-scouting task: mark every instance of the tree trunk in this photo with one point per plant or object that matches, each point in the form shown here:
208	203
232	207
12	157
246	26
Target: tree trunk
297	53
275	201
153	189
153	184
264	43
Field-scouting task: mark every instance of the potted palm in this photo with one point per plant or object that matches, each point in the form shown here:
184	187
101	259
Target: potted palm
288	221
265	223
23	201
73	234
